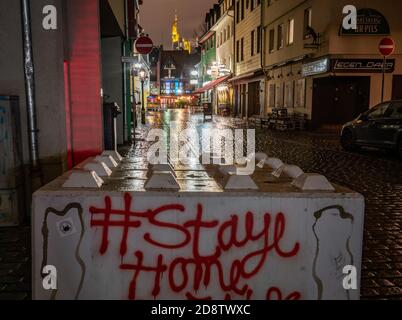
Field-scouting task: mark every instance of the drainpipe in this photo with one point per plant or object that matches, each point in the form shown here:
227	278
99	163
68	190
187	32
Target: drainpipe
262	36
30	89
125	78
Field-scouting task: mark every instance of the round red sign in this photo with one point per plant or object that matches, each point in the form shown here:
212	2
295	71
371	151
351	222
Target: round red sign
144	45
386	47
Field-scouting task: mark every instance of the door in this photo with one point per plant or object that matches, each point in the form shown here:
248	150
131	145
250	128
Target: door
337	100
254	107
397	87
243	100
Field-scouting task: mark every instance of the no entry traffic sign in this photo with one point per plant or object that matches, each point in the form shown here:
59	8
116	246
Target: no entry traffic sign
144	45
386	47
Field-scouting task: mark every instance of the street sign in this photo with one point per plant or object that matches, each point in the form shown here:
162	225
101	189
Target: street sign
144	45
386	47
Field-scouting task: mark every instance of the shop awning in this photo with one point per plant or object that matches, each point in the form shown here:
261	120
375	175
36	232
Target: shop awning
212	84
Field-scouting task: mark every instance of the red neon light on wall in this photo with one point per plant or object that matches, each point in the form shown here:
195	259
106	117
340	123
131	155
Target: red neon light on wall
67	102
85	78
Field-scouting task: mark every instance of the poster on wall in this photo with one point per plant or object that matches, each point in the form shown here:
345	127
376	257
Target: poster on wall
289	93
300	93
271	97
279	95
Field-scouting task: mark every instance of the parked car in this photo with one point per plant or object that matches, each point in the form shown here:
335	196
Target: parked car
379	127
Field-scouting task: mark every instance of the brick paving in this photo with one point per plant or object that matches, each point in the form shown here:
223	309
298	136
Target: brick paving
377	175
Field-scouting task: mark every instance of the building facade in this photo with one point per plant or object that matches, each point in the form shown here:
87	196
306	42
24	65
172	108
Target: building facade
317	68
249	77
217	58
224	31
75	45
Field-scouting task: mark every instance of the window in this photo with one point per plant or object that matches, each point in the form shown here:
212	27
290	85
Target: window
242	49
280	36
396	112
242	9
252	42
237	51
238	11
378	111
259	37
307	22
252	5
271	40
291	31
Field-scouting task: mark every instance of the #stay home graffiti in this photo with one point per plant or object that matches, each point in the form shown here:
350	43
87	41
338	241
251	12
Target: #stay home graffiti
252	246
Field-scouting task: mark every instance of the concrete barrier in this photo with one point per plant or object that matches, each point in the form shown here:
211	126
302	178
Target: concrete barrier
119	241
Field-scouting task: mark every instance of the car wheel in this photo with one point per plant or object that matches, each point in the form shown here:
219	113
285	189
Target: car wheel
348	141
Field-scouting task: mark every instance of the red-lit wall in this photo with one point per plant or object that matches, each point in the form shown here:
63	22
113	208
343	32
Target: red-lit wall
84	63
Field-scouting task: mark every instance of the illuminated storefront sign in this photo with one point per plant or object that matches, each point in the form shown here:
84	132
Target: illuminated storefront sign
316	67
363	65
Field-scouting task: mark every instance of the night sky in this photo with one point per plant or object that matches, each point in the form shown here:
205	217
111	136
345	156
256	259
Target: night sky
157	17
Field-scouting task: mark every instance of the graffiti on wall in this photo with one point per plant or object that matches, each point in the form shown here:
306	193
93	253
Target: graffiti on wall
197	249
187	274
65	228
332	253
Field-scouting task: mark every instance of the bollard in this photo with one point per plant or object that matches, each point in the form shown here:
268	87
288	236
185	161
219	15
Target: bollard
162	181
101	169
83	179
108	160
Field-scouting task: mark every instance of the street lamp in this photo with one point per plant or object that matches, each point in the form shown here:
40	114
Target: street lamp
142	75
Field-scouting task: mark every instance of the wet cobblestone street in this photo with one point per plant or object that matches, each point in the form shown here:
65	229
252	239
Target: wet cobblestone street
375	174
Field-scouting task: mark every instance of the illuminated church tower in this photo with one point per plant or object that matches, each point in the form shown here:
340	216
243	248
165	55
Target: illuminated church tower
177	42
175	34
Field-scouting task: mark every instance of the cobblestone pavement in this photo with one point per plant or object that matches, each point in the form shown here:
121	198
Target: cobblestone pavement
376	175
15	263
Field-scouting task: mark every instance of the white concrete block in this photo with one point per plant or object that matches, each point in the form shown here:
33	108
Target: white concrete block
163	167
108	160
83	179
289	171
227	170
236	182
101	169
261	156
162	181
114	154
274	163
313	182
